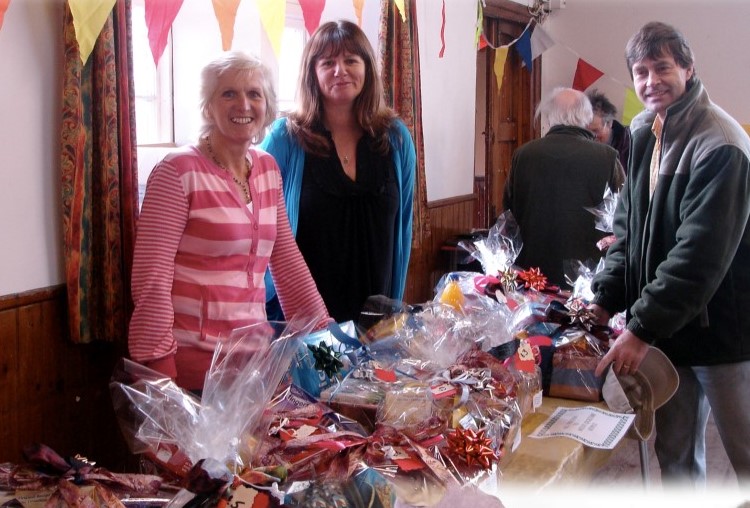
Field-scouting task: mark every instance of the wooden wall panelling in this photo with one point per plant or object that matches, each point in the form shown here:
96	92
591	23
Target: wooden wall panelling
53	391
448	218
8	379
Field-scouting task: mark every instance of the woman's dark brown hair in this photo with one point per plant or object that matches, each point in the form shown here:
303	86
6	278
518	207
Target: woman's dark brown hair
374	117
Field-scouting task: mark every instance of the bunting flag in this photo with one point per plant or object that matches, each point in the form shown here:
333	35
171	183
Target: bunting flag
480	22
88	20
482	42
442	33
273	17
631	107
523	46
586	75
4	7
311	11
358	4
401	9
501	55
540	42
160	15
226	13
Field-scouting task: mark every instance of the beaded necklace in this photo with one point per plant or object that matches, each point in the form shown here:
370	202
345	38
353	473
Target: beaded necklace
242	183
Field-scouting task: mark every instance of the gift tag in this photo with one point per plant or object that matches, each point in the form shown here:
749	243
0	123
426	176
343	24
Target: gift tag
242	497
525	357
443	390
386	375
405	461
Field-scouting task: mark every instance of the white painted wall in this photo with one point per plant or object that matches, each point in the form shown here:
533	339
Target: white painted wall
30	203
30	218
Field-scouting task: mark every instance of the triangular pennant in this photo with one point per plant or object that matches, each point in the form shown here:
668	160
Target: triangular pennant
482	42
501	55
631	107
3	7
160	15
226	13
88	21
480	23
540	42
272	17
586	75
401	9
523	46
358	4
311	11
442	33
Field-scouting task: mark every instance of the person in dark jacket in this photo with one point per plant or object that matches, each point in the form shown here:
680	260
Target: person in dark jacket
553	180
608	130
680	266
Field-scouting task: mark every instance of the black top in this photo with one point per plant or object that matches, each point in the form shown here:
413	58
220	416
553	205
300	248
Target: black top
345	230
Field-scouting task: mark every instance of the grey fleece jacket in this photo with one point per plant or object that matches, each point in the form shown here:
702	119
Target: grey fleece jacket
681	262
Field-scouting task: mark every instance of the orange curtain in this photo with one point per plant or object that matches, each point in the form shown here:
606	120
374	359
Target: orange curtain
99	179
399	57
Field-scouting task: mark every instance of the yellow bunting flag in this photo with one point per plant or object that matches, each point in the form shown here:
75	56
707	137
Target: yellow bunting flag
501	55
358	5
3	7
226	13
89	17
631	107
401	9
746	127
272	17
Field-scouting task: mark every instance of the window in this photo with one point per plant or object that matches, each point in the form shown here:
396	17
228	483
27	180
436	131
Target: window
153	85
166	117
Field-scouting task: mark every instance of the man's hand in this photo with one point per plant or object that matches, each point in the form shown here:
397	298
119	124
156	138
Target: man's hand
625	355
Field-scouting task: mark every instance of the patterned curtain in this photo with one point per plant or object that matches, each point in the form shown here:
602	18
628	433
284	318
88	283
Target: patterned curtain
399	58
99	179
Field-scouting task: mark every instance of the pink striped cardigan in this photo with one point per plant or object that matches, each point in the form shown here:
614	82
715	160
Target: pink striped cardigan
200	255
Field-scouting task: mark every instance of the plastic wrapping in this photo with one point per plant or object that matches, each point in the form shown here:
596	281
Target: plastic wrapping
605	211
325	357
176	430
574	361
499	250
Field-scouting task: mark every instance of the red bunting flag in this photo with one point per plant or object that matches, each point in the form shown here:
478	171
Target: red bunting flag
311	11
442	34
482	42
586	75
3	7
160	15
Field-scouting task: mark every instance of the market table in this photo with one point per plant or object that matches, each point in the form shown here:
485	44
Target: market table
538	464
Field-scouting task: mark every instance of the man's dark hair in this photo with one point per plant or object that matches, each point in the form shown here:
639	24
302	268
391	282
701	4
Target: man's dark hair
602	105
657	39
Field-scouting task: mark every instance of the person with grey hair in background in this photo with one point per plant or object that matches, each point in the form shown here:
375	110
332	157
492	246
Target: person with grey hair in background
553	180
680	266
606	128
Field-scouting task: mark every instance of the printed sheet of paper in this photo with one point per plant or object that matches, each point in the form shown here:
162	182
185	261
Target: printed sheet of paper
590	425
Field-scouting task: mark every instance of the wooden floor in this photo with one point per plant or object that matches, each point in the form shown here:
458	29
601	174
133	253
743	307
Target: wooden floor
624	468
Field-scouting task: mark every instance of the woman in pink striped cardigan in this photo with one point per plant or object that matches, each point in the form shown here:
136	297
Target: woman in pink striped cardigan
213	218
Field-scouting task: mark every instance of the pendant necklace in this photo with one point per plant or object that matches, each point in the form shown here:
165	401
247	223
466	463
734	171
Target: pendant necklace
243	184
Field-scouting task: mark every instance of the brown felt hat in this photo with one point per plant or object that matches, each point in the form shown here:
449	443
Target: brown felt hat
642	392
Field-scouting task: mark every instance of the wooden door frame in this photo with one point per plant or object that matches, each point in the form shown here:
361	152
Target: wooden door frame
510	111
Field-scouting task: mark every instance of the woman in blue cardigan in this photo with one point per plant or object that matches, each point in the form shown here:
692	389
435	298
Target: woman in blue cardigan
348	165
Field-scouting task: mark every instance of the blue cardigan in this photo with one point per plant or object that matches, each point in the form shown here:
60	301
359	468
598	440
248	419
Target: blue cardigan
291	159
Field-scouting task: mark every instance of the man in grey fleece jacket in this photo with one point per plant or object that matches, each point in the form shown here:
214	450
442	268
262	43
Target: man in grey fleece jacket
680	266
